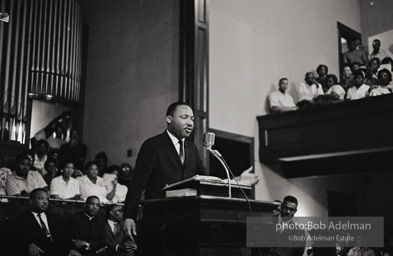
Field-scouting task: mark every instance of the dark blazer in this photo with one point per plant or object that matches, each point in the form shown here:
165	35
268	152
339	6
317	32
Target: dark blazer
23	229
157	165
79	227
112	240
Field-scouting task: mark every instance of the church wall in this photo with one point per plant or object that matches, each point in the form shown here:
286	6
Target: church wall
132	73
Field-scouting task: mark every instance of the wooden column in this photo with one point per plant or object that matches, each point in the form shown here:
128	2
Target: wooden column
194	69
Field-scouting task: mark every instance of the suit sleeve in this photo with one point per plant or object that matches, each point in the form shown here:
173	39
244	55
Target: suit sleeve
144	166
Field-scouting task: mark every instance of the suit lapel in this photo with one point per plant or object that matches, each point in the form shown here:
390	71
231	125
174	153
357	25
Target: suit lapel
171	148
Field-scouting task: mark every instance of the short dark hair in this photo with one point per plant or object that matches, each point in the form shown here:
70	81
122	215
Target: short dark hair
43	141
334	77
101	155
88	164
384	70
91	197
375	59
282	79
48	161
360	72
387	60
66	161
172	108
108	210
22	156
113	168
377	40
321	66
35	191
290	199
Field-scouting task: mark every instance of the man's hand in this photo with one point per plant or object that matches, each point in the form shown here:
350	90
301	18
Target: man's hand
129	227
74	253
34	250
79	243
249	178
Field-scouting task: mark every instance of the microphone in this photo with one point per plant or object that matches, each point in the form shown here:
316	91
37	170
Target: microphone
208	139
208	143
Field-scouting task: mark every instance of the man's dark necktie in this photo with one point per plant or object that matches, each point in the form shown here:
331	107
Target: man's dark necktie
182	156
117	228
44	228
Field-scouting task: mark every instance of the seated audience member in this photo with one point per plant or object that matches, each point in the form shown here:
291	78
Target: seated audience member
373	66
378	52
335	92
354	55
23	181
102	162
41	156
4	174
126	172
85	230
74	150
347	79
359	90
117	242
36	231
121	190
30	154
51	170
65	186
54	126
279	100
322	71
92	185
308	91
384	78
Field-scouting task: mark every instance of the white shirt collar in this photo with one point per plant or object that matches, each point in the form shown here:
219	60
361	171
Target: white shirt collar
175	140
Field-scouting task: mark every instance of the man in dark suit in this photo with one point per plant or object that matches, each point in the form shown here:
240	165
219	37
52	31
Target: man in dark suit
36	232
164	159
85	230
118	244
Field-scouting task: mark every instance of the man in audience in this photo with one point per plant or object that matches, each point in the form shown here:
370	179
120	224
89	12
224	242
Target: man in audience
164	159
74	150
23	181
86	229
279	100
287	212
354	55
102	163
41	156
322	71
115	239
36	232
308	91
378	52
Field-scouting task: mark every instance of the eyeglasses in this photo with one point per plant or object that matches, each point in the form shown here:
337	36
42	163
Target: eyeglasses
289	209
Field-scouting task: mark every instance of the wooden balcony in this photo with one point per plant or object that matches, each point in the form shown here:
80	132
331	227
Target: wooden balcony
346	137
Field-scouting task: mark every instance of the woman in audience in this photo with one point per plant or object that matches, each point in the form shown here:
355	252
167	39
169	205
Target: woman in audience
121	190
64	186
334	93
50	168
359	90
92	185
347	79
384	77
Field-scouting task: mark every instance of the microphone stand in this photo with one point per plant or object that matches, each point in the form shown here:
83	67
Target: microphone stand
220	158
